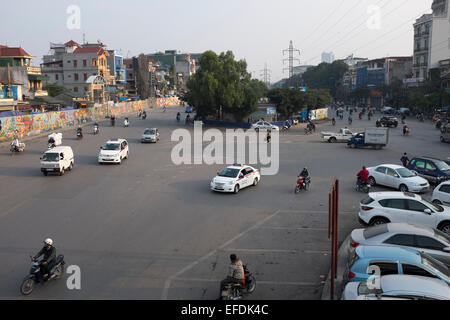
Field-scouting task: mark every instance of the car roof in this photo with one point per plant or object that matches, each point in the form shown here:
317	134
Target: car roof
391	166
430	286
59	149
410	228
394	195
428	158
115	140
388	252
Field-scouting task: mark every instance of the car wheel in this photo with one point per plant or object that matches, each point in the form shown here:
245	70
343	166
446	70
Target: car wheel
353	146
445	227
372	181
378	221
333	140
236	189
255	182
70	167
45	173
403	188
61	173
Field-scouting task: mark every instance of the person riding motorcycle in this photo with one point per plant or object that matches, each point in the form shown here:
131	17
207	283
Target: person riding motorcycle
378	123
144	115
236	273
405	130
305	175
49	256
178	117
126	123
96	127
79	131
333	121
363	177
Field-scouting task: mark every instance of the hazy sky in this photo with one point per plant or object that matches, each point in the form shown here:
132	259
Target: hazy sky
255	30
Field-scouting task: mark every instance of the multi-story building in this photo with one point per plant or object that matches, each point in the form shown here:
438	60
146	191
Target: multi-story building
71	65
349	78
422	46
372	73
440	33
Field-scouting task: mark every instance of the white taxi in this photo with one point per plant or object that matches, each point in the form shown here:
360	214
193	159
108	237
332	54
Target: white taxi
235	178
114	151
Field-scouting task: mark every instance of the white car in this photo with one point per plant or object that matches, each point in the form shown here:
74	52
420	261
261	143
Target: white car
264	126
399	287
342	136
397	177
114	151
441	194
235	178
422	238
387	207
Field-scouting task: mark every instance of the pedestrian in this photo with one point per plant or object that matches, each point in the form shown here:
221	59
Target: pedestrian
269	136
405	159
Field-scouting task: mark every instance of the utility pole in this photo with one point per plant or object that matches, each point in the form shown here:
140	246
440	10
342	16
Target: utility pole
265	74
291	59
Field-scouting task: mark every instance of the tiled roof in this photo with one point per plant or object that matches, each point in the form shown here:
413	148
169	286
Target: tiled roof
96	50
71	43
12	52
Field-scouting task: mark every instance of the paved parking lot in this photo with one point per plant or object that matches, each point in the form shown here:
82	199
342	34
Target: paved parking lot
148	229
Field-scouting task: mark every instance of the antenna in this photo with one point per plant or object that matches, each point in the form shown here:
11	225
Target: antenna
291	59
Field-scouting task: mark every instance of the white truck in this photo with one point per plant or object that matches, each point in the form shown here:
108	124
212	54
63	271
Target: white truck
372	137
342	136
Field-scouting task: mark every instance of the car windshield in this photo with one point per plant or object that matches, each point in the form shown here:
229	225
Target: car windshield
442	236
229	173
405	173
149	132
436	265
111	147
433	206
441	165
375	231
50	157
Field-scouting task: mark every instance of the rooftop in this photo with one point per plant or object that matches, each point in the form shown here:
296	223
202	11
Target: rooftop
16	52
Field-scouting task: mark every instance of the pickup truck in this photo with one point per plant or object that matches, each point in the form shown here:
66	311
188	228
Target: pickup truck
373	137
342	136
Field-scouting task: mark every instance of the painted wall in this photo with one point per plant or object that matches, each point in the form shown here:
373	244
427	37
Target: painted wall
33	124
168	102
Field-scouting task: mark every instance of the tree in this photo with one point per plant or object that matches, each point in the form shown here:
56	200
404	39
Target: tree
325	76
222	85
54	89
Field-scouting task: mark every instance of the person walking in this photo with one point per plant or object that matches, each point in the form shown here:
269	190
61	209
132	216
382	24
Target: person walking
405	159
269	136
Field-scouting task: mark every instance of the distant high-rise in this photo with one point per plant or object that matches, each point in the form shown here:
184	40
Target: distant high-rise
328	57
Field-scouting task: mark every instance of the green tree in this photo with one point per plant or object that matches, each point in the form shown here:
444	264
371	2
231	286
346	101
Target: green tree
222	85
54	89
326	76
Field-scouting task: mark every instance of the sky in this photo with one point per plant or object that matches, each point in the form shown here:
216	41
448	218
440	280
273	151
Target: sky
255	30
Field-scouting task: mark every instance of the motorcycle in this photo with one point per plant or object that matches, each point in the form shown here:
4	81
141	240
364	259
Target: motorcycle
350	121
406	131
79	134
17	146
113	122
333	122
96	129
365	186
178	118
126	123
51	144
308	130
144	116
302	184
234	291
35	276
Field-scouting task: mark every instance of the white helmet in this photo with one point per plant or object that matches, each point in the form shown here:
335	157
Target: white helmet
48	241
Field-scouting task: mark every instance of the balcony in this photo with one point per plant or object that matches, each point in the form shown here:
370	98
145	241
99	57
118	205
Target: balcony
33	70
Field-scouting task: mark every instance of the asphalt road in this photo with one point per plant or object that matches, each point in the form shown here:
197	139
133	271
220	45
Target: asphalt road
149	229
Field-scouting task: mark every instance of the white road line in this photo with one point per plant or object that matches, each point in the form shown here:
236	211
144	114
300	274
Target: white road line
193	264
291	228
281	283
277	251
8	211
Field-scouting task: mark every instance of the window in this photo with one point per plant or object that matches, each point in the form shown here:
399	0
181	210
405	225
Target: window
391	173
75	76
75	89
56	77
381	170
375	231
401	240
75	63
393	203
420	164
430	166
429	243
94	62
84	63
416	271
86	89
445	188
386	268
414	205
85	76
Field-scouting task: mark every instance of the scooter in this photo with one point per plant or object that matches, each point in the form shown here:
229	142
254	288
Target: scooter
144	116
79	134
96	129
17	146
236	291
365	187
126	123
51	144
36	275
302	184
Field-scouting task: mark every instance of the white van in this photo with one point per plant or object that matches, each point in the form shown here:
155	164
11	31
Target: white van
57	160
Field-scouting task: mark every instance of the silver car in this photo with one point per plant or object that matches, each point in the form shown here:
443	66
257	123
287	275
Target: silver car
419	237
150	135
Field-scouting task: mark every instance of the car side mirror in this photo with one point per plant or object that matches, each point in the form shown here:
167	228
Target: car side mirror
447	249
427	211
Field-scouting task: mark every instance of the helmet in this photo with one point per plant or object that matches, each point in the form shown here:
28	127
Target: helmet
48	241
233	257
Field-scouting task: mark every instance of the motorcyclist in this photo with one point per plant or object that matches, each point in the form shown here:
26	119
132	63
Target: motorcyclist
96	127
188	119
378	123
113	120
405	130
79	131
350	119
363	177
139	113
49	255
236	273
178	117
126	122
144	115
305	174
333	121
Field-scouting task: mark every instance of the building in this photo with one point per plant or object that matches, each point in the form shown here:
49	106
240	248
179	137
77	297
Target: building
20	82
372	73
327	57
349	78
71	65
130	86
422	47
440	33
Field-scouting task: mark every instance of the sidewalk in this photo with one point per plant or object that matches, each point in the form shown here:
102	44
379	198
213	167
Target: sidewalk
338	283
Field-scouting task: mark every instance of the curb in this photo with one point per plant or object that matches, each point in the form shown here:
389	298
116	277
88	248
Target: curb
342	264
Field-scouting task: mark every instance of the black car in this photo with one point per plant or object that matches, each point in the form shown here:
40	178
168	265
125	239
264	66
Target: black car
389	122
434	170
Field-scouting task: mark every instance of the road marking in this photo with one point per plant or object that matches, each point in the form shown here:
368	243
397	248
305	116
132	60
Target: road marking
277	251
8	211
168	282
291	228
281	283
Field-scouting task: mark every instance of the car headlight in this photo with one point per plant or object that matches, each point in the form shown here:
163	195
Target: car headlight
231	183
